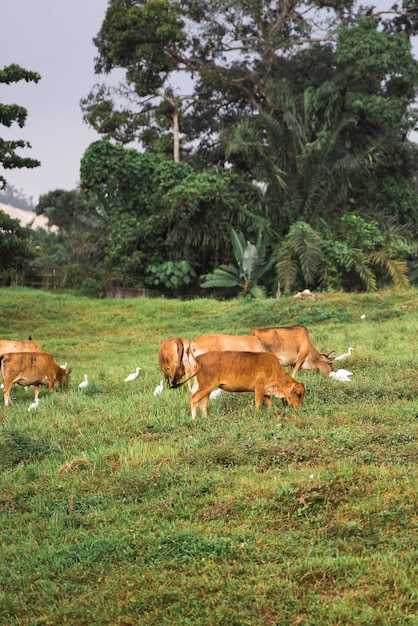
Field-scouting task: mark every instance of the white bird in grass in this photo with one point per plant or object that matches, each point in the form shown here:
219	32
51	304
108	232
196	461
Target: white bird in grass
341	357
64	366
342	375
159	388
34	405
215	393
133	376
84	383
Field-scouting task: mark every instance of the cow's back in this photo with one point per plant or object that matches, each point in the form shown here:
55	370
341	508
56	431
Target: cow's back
221	342
237	367
7	346
286	342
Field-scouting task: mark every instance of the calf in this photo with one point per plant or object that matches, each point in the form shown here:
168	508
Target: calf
230	370
31	368
293	346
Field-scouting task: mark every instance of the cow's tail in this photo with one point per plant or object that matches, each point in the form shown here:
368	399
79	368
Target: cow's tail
175	385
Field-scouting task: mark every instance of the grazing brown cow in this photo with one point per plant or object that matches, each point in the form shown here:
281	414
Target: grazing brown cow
293	346
173	360
243	371
31	368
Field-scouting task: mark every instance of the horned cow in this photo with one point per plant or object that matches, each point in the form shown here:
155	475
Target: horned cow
31	368
259	372
293	346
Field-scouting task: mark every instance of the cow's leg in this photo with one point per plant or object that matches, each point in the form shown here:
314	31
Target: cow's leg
6	393
301	358
203	405
258	395
267	400
197	399
36	390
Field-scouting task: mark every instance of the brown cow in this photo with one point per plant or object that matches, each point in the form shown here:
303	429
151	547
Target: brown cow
293	346
18	346
243	371
173	360
31	368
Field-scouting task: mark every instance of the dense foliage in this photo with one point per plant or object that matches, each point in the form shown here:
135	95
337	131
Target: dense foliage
290	119
16	252
306	100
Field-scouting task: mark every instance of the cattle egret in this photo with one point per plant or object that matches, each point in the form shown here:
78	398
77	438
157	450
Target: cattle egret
362	317
64	365
34	405
342	375
341	357
159	388
133	376
215	394
84	383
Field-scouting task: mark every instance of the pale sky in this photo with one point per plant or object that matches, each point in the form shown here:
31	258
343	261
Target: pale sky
55	39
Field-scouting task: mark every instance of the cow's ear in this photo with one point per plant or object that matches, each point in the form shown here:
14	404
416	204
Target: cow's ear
69	371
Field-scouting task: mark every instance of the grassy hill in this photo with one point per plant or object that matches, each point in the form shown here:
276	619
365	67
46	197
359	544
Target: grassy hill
116	508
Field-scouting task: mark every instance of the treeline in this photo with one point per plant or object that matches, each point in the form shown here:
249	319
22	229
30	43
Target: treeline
288	160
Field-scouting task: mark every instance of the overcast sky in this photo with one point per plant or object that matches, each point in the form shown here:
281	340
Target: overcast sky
53	38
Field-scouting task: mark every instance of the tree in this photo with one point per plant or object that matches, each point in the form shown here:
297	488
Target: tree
10	113
166	220
352	254
226	53
15	250
78	246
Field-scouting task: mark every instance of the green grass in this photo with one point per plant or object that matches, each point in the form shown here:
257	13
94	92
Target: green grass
117	509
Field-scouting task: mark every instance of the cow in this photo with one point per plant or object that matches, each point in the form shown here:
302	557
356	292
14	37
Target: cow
18	346
232	370
174	361
31	368
293	346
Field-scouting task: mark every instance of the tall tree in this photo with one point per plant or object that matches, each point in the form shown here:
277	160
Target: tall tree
217	59
11	113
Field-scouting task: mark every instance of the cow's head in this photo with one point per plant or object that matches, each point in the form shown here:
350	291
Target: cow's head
63	377
296	394
324	363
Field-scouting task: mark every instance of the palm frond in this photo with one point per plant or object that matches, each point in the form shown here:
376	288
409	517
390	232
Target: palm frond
397	269
358	262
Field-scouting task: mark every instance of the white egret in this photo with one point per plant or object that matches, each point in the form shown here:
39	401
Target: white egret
84	383
133	376
341	357
34	405
159	388
215	393
341	375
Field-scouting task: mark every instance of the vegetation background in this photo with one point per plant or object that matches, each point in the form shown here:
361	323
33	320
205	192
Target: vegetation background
115	508
287	124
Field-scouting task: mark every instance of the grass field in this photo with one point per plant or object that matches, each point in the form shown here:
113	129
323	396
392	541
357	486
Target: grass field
117	509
